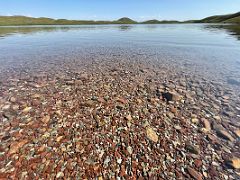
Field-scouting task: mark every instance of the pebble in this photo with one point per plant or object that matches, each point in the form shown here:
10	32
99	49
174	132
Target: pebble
151	134
60	174
86	121
130	150
194	174
46	119
171	96
193	149
14	147
224	134
206	124
234	163
26	109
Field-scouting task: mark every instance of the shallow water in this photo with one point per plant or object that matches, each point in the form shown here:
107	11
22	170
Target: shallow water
211	51
166	97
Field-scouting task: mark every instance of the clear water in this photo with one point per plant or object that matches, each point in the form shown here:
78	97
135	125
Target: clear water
211	51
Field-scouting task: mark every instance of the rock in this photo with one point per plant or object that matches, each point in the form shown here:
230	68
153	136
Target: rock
15	107
237	132
106	161
234	163
13	99
119	160
36	102
198	163
26	109
177	127
122	101
6	107
170	115
225	135
45	119
14	147
83	77
173	110
100	178
59	138
206	124
60	174
192	149
194	174
129	117
195	120
151	134
139	101
9	115
171	96
130	150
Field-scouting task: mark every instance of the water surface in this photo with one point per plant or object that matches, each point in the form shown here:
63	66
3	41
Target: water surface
207	50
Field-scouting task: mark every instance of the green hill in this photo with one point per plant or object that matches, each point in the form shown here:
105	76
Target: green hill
229	18
23	20
125	20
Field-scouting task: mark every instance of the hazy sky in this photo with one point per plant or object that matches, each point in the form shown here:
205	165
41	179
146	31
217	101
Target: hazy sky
114	9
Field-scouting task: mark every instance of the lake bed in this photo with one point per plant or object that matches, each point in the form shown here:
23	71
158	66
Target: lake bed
110	101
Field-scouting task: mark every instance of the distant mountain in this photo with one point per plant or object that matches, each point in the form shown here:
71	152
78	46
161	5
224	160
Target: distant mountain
229	18
125	20
23	20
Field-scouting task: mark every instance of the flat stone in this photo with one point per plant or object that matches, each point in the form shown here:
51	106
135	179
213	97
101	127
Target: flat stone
206	124
195	120
151	134
26	109
14	147
237	132
198	163
45	119
192	149
129	117
225	135
234	163
194	174
130	150
60	174
171	96
59	138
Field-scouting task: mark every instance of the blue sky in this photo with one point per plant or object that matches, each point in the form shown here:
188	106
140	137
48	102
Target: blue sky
114	9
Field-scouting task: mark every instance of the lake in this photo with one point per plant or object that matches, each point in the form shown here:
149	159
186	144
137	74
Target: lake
114	101
209	49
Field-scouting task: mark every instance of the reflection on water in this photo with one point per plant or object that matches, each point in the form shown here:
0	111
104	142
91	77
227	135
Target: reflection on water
229	28
125	27
10	30
209	49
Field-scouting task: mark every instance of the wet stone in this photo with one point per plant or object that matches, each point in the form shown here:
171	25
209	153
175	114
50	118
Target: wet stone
192	148
171	96
151	134
225	135
104	118
234	163
194	174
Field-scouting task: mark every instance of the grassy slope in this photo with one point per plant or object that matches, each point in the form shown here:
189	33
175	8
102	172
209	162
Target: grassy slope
222	18
233	20
22	20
